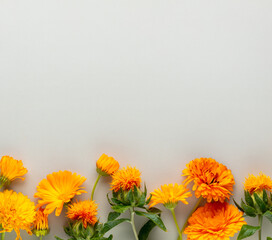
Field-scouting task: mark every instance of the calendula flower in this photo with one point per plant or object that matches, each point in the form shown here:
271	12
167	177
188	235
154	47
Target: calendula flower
16	212
85	211
106	165
58	188
40	226
258	184
126	179
215	220
212	180
169	195
10	170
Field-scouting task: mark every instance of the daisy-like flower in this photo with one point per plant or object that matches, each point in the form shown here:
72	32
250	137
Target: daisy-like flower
84	211
40	226
126	179
169	195
58	188
212	180
106	165
215	220
10	170
16	212
258	184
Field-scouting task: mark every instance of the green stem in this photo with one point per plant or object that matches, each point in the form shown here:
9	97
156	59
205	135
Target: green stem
3	235
195	207
94	187
260	221
40	237
176	222
132	222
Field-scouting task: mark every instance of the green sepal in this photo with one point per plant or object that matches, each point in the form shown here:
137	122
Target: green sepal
247	231
238	206
250	211
249	199
153	217
260	203
265	197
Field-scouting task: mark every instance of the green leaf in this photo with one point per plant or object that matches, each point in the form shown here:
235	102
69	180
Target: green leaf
154	210
269	238
268	215
146	229
120	209
247	231
113	215
265	197
111	224
260	203
58	238
249	199
238	206
154	218
250	211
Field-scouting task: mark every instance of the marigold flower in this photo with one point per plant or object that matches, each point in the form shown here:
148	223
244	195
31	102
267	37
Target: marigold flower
40	226
85	211
169	195
11	169
126	179
58	188
212	180
16	212
215	220
106	165
258	184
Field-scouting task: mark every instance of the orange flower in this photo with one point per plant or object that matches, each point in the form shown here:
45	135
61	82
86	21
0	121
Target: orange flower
212	180
257	184
16	212
169	195
83	210
106	165
126	179
215	220
58	188
11	169
40	225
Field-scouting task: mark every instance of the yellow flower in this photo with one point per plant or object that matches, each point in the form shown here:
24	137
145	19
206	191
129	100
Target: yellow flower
126	179
215	220
169	195
212	180
106	165
16	212
40	225
11	169
58	188
85	211
257	184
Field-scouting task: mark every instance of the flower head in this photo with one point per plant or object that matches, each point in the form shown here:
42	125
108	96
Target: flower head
11	169
58	188
40	225
212	180
16	212
169	195
85	211
258	184
126	179
106	165
215	220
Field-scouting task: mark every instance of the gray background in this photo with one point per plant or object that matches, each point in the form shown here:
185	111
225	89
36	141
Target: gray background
153	83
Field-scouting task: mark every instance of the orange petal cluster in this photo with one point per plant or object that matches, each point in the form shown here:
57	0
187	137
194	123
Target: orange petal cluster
83	210
107	165
215	220
58	188
126	179
212	180
259	183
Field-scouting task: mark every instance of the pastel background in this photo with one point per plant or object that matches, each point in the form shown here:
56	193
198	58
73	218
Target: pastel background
154	84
